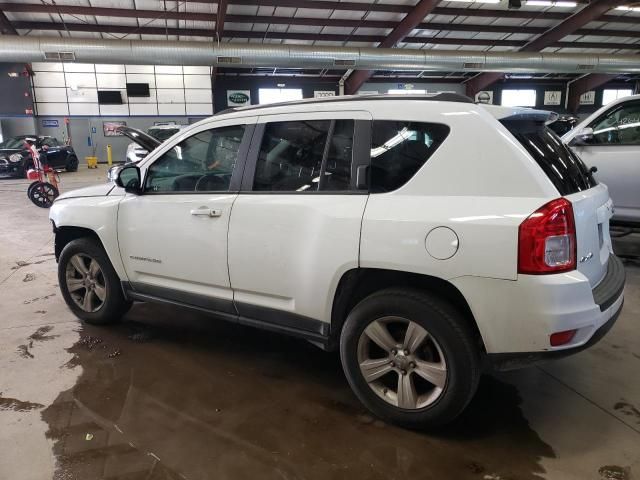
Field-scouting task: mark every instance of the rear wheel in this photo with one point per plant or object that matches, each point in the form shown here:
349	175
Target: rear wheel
410	358
89	284
72	164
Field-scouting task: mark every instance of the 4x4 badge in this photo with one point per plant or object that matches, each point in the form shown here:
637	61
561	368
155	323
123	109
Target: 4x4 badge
588	256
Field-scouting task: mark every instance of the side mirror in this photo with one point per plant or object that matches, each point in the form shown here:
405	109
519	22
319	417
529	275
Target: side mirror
583	137
128	177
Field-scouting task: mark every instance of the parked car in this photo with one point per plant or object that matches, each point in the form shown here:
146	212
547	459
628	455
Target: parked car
144	142
136	152
424	237
609	140
563	123
15	157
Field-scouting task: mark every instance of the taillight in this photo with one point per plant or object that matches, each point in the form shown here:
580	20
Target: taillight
547	240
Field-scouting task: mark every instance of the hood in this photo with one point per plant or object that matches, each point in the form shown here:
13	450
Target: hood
145	140
10	151
99	190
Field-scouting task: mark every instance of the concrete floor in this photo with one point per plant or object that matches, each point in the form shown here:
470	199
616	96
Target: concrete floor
170	394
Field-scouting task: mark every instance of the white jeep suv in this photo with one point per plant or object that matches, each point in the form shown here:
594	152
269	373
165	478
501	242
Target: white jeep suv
426	238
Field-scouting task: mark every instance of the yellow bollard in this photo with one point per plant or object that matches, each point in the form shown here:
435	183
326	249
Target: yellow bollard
109	155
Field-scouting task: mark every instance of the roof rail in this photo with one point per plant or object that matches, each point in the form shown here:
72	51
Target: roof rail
434	97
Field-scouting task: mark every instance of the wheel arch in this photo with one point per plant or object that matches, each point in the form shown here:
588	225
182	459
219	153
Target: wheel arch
358	283
66	234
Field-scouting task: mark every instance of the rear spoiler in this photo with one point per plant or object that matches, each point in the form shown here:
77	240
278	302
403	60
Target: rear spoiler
515	114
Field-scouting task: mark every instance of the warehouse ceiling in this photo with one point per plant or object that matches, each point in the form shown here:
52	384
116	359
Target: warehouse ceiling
487	25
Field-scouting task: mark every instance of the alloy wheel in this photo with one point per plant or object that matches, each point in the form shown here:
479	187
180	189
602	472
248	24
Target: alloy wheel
402	363
86	283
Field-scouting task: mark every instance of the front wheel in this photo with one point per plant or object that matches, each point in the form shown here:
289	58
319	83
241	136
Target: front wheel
42	194
410	358
89	284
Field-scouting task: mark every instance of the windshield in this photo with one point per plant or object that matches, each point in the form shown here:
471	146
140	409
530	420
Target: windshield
15	143
162	133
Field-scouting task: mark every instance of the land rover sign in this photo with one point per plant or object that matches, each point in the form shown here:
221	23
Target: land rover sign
236	98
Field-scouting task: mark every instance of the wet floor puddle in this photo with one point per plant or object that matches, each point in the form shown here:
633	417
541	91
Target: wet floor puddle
187	397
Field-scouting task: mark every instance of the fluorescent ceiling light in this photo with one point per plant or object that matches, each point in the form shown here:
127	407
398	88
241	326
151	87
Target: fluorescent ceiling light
549	3
476	1
628	9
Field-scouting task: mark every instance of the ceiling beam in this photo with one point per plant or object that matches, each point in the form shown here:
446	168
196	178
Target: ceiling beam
399	33
323	5
306	21
126	29
551	37
6	27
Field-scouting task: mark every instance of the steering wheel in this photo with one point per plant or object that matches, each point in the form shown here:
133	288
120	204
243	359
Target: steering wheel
215	180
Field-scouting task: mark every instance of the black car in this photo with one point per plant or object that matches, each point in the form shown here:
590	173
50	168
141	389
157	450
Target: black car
563	124
15	157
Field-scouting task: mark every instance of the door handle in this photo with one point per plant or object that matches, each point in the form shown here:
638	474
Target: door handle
207	212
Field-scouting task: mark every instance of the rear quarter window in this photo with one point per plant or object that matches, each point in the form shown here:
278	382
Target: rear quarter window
399	149
562	165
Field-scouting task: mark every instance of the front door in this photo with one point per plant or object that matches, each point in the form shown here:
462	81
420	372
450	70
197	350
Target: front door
295	226
54	153
615	151
173	237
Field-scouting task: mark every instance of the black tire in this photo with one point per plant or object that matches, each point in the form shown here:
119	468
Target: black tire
30	187
445	325
115	305
72	164
42	194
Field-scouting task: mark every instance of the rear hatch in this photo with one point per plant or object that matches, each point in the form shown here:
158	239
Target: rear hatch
592	207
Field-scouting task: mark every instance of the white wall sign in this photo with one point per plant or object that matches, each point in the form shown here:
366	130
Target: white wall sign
485	96
552	97
238	98
588	98
323	93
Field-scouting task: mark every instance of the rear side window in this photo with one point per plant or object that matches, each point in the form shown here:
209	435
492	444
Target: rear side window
563	167
305	156
399	149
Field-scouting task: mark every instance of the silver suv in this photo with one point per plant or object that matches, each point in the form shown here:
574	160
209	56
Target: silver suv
610	141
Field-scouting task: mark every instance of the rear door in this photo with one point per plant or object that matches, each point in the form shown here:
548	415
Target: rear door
56	155
295	226
592	207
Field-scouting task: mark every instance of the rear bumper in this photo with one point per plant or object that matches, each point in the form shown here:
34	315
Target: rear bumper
512	361
517	318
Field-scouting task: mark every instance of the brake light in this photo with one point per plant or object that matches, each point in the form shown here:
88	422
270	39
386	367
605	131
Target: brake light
547	240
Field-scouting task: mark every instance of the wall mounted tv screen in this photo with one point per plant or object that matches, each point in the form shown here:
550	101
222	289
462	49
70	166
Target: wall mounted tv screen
138	89
109	97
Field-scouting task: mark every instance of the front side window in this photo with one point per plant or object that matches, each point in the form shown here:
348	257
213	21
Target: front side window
620	126
203	162
305	156
399	149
